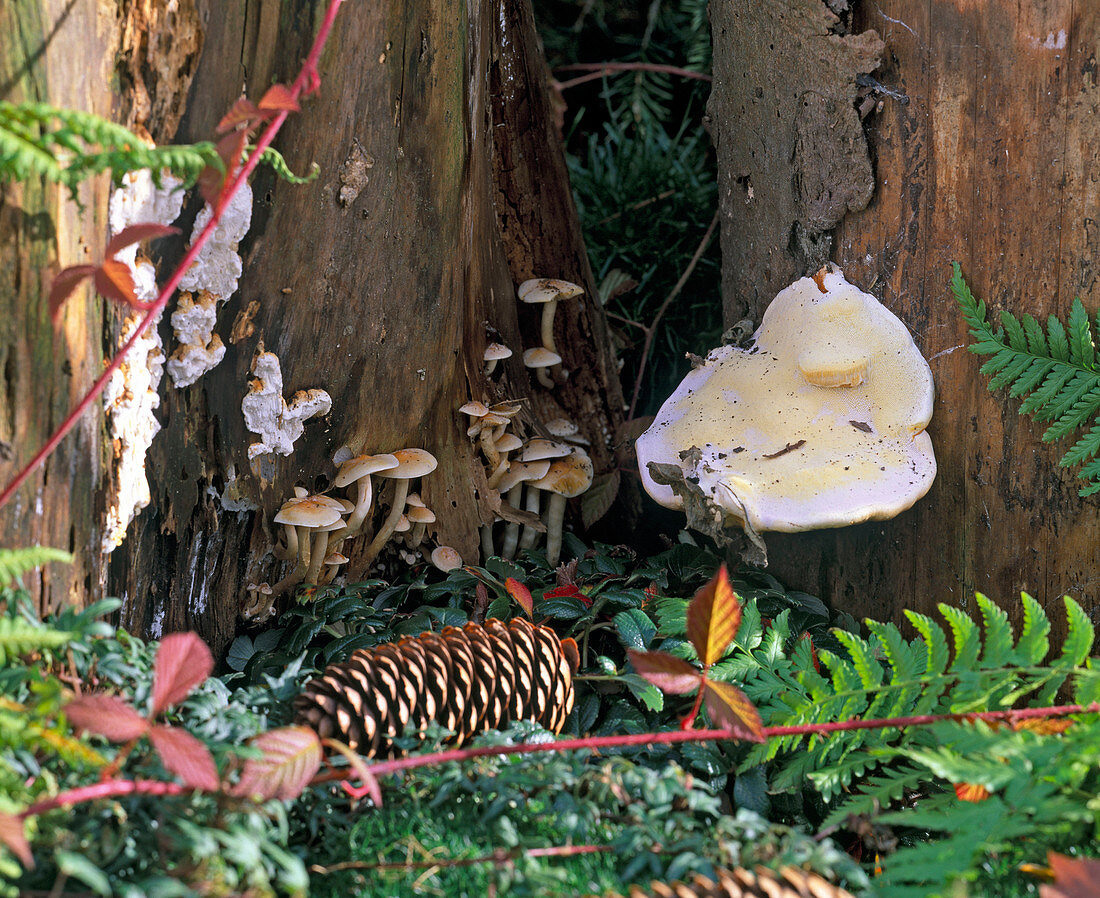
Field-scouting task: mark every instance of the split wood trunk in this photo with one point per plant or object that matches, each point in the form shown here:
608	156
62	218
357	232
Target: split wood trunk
984	151
442	186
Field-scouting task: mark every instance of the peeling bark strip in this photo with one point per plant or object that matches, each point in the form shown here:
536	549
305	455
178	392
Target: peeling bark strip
792	157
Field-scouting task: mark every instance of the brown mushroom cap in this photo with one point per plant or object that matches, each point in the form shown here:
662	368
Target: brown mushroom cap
540	357
540	290
310	511
496	352
362	466
419	514
474	408
523	471
509	442
446	559
569	476
411	463
537	449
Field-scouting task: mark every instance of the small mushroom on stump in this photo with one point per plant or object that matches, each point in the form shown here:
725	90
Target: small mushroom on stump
567	477
358	470
412	463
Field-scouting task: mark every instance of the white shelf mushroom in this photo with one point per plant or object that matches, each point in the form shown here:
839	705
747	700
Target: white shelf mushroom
820	424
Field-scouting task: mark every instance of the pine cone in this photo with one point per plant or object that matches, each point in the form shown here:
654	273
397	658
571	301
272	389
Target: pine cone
790	882
468	679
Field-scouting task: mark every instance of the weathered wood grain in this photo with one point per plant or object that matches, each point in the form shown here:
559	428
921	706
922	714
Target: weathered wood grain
991	162
382	302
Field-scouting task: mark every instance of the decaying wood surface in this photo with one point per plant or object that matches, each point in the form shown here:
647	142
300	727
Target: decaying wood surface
55	52
989	160
442	186
380	298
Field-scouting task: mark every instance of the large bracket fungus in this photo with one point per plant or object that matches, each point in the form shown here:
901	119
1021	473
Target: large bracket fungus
819	423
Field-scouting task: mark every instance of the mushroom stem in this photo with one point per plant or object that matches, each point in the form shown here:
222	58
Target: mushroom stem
317	551
485	437
530	534
299	571
285	553
543	375
547	329
400	491
499	471
511	532
362	506
487	548
555	517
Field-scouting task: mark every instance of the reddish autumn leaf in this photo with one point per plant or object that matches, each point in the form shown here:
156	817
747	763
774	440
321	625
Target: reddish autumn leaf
14	838
67	280
106	715
730	709
292	755
278	99
243	112
183	661
971	792
186	757
1074	877
230	150
713	617
114	280
521	594
667	672
1044	726
135	234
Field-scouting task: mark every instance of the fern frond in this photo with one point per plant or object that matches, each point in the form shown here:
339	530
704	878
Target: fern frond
68	146
15	562
1034	641
1081	347
21	637
1056	373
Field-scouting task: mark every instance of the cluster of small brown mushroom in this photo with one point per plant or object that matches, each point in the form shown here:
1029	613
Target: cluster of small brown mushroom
315	526
521	471
548	292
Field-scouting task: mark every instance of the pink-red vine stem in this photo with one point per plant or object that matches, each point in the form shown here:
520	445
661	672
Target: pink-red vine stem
308	81
383	768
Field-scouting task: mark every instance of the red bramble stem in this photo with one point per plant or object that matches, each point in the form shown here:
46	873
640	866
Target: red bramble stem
105	789
664	738
308	81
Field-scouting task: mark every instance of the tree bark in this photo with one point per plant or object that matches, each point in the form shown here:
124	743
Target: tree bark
983	154
377	289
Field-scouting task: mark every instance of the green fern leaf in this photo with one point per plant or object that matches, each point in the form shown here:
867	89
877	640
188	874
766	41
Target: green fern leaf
998	636
869	670
1056	338
1036	341
1084	449
934	639
21	637
1036	372
1082	410
1081	348
1017	339
15	562
1079	637
1034	641
1051	387
964	635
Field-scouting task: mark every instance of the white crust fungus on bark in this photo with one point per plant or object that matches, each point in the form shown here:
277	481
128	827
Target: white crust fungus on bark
130	396
211	279
277	422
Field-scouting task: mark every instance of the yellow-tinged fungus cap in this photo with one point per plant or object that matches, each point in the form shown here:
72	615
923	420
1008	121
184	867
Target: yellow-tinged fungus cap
821	423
